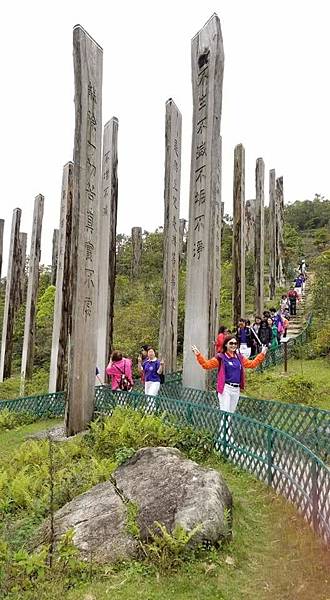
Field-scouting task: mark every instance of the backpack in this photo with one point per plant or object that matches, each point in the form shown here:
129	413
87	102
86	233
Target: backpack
162	378
124	384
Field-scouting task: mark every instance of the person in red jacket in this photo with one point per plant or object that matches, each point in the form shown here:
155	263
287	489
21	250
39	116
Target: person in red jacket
231	376
223	331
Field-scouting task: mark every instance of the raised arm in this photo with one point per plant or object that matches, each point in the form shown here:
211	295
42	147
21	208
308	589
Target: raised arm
212	363
252	364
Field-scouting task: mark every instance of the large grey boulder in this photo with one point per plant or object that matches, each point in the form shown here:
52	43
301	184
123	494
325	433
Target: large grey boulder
173	490
165	486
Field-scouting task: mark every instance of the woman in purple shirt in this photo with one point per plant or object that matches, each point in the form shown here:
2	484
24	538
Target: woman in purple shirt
152	368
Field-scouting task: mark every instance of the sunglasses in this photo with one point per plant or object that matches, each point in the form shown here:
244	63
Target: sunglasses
232	343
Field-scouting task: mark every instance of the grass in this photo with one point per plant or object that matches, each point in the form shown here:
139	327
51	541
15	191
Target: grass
273	554
266	385
10	440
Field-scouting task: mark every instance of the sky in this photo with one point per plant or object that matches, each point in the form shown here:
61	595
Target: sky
276	98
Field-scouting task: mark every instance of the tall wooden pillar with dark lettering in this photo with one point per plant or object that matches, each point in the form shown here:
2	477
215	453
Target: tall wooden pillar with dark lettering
2	225
136	251
21	292
259	252
107	244
272	234
12	283
250	222
239	235
87	58
280	278
168	331
54	256
62	306
32	292
203	263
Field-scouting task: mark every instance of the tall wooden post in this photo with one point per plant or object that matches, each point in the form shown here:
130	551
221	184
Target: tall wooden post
168	332
54	256
280	278
272	234
250	224
32	292
22	276
203	263
136	251
62	306
2	224
87	58
12	282
239	235
259	252
107	245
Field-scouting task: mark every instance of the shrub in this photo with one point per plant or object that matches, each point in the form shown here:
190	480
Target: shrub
297	389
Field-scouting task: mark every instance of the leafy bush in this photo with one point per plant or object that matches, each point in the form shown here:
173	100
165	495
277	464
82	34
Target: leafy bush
167	550
297	389
12	420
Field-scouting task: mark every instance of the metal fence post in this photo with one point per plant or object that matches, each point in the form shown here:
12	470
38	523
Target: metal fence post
225	433
269	456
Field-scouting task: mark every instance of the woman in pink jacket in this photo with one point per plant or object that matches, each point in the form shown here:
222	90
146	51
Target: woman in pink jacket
117	369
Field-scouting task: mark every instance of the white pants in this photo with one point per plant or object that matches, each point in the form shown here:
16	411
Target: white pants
151	388
245	350
298	290
228	400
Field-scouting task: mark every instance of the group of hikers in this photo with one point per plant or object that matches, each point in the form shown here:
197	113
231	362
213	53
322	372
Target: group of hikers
232	351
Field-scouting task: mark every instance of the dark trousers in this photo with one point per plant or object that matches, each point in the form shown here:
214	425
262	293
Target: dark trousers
293	306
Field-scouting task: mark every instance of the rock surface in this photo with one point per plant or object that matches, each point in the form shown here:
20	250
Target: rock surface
166	487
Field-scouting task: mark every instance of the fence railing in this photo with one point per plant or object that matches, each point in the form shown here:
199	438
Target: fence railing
273	456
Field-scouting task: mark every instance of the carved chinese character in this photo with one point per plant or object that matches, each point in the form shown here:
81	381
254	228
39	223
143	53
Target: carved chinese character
91	91
202	101
90	220
92	167
198	249
175	202
107	156
89	251
176	147
89	273
200	197
87	307
199	222
90	191
200	173
174	223
201	124
201	150
106	174
176	166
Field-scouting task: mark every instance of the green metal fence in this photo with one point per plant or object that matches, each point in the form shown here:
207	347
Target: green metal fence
272	455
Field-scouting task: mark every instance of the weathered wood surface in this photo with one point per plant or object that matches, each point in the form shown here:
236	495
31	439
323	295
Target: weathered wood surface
280	278
259	250
203	263
54	256
107	245
12	283
2	225
62	306
272	234
87	58
22	287
136	237
250	223
32	292
238	289
168	331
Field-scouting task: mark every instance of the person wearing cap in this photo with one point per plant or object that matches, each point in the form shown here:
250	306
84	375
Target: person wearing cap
231	376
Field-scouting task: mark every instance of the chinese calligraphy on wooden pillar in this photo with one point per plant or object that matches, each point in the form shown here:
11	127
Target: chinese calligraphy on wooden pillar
12	283
280	279
168	332
107	245
62	306
87	58
21	288
182	240
54	256
32	292
2	224
136	251
259	252
203	255
250	207
239	234
272	234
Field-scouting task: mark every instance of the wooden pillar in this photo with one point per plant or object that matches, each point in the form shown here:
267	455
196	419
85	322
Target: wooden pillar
107	245
259	252
32	292
2	224
87	58
12	282
250	223
168	332
239	235
280	278
62	306
203	267
21	289
136	251
54	256
272	234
